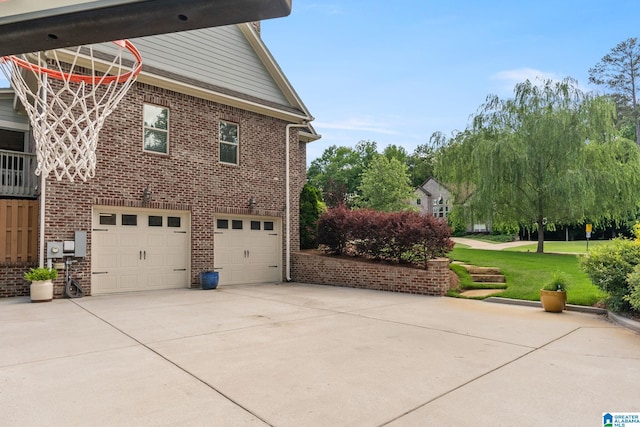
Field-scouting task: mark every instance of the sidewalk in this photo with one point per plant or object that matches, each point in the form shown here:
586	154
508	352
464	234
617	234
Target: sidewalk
307	355
477	244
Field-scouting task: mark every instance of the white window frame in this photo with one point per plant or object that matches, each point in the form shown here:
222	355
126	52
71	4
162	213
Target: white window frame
148	127
227	142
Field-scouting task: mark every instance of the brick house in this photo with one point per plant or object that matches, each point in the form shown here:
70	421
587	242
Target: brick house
191	172
434	198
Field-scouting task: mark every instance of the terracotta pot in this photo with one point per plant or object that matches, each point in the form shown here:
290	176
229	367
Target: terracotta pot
553	301
41	291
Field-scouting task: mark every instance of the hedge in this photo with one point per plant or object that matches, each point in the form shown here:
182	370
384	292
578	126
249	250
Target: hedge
394	236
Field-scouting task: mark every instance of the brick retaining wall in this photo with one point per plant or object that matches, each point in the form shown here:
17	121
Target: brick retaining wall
12	279
317	268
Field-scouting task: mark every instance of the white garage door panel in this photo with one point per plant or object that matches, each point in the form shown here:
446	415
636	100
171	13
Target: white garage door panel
247	250
149	254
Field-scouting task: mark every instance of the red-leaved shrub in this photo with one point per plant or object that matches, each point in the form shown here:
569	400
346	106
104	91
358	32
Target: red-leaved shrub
397	236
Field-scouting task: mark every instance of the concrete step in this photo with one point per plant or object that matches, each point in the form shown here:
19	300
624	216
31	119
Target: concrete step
484	278
472	269
480	292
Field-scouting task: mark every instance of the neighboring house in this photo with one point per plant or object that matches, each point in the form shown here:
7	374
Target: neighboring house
191	172
433	198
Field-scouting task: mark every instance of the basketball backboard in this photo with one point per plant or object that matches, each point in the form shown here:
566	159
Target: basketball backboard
36	25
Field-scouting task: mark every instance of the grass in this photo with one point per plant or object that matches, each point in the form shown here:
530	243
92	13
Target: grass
526	273
463	275
466	283
571	247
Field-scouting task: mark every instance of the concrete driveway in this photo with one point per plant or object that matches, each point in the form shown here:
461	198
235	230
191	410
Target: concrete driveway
306	355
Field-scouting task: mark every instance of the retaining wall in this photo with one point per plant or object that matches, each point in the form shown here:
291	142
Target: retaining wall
318	268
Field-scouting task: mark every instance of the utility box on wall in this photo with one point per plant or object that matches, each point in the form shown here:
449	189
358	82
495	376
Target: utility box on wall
80	244
73	248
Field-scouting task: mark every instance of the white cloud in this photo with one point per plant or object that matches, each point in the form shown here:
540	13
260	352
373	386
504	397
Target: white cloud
508	79
358	124
521	74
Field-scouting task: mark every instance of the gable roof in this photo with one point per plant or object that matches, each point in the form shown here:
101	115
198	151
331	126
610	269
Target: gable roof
424	184
229	64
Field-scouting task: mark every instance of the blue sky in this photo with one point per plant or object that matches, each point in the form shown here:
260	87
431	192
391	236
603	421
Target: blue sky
395	72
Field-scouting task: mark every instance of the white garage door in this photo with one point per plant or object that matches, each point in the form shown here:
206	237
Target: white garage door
248	249
139	249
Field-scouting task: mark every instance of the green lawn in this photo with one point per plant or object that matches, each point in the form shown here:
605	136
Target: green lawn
526	273
572	247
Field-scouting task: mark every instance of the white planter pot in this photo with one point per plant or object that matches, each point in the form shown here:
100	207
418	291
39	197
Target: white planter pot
41	291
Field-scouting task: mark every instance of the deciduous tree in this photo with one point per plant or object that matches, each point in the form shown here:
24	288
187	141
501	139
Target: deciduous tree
619	71
385	185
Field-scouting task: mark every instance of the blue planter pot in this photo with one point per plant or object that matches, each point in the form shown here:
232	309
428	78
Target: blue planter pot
209	279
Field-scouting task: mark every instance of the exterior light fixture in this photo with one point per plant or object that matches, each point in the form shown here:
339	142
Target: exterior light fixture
146	195
252	203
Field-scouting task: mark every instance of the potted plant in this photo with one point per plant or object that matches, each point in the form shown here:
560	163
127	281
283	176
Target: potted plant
553	295
41	283
209	279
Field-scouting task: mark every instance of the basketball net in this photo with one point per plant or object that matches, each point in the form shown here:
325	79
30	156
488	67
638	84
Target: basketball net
68	102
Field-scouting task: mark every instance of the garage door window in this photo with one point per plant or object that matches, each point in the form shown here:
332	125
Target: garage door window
173	221
268	225
155	221
107	219
255	225
222	224
129	219
236	224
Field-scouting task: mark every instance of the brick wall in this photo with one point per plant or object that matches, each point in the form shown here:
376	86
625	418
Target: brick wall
189	177
314	267
12	283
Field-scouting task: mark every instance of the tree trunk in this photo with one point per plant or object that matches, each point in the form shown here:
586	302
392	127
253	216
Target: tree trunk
540	222
637	123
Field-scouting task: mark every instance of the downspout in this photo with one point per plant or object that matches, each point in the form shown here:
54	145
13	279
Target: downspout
43	184
288	197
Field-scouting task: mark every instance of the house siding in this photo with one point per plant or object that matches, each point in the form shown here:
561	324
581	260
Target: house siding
219	56
188	178
8	117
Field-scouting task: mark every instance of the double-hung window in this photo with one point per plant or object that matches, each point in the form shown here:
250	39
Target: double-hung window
156	129
229	142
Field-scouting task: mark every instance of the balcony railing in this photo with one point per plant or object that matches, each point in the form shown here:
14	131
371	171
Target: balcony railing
17	177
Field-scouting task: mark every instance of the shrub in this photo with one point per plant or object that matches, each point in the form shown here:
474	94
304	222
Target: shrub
609	266
399	236
633	298
311	207
333	229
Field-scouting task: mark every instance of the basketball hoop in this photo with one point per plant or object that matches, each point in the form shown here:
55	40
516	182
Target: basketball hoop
68	103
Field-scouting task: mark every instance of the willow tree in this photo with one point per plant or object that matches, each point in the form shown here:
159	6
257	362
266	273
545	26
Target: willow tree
539	158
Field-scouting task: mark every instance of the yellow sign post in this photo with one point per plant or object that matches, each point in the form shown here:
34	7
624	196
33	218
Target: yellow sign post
588	229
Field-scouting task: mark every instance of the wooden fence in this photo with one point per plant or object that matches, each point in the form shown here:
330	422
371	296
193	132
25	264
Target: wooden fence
18	231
